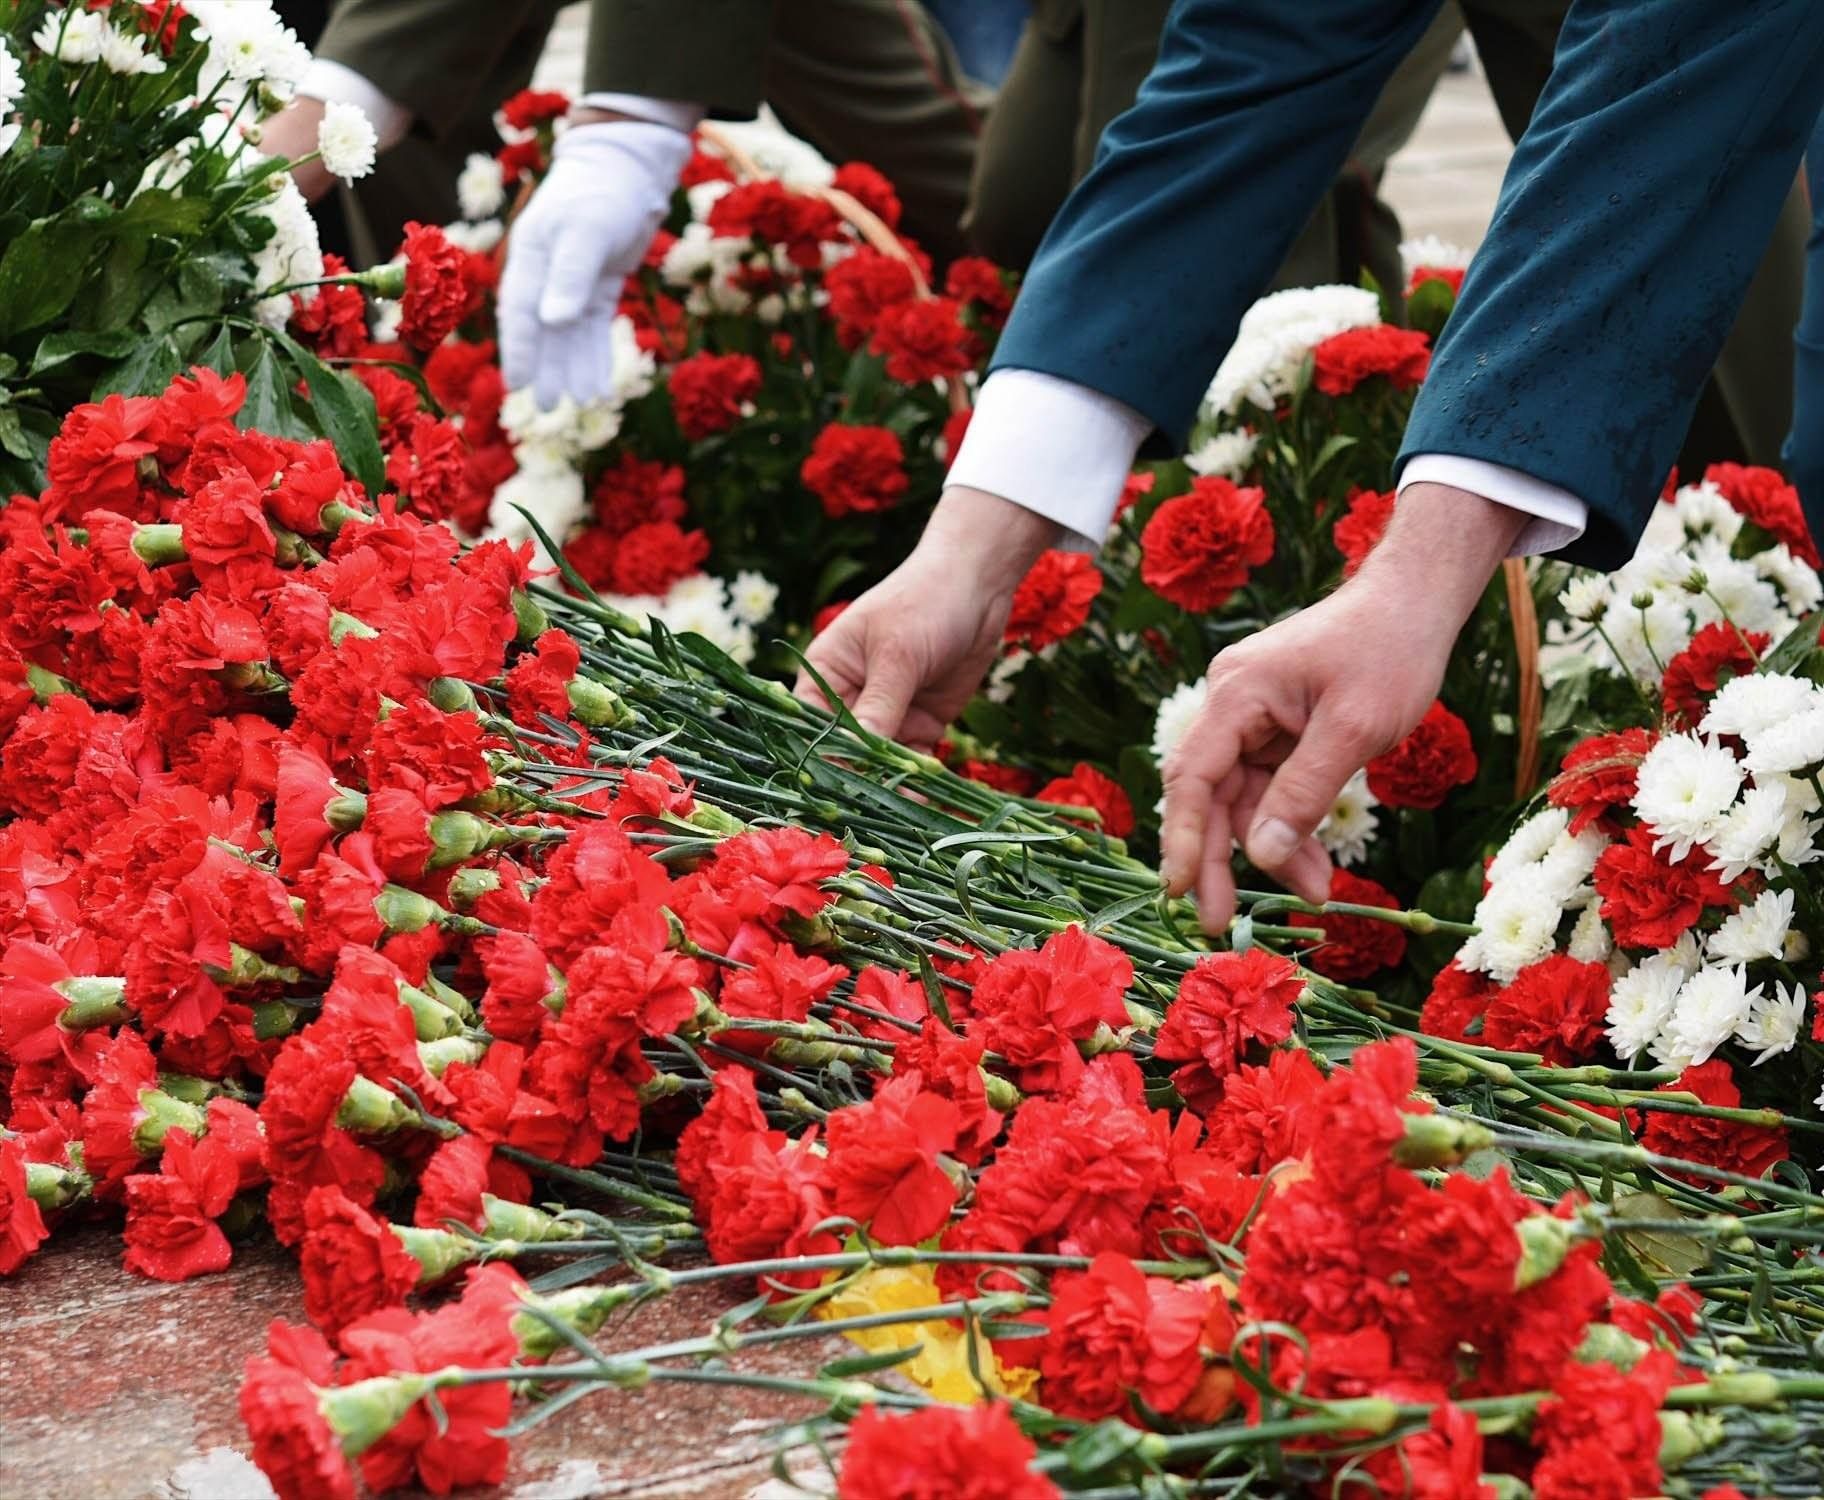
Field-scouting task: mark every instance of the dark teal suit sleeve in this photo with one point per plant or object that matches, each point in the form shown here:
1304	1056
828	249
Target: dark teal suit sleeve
1632	217
1804	455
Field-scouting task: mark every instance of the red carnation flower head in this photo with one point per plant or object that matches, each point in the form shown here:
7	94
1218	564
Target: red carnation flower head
1034	1007
1716	653
1423	768
767	1198
1227	1004
284	1410
530	108
768	211
1603	1418
732	1114
950	1064
1053	599
975	280
633	491
1344	360
171	1233
1769	502
1265	1116
1647	900
711	392
1088	787
1115	1335
436	289
1555	1007
885	1161
956	1452
94	459
855	468
1361	526
862	288
22	1228
1200	547
1751	1150
924	339
651	558
1598	777
1457	1000
352	1262
1451	276
1354	947
869	187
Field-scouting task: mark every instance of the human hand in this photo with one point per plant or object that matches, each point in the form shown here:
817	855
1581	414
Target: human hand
908	654
573	245
292	133
1293	712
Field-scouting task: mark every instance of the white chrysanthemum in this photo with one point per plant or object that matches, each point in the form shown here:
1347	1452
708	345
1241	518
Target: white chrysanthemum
1756	931
777	153
1585	597
291	255
634	369
1641	1000
1684	789
346	141
1711	1004
696	590
1749	705
248	44
1274	337
1429	250
1799	841
1224	454
1566	866
1800	590
551	491
1773	1022
1177	712
478	239
1590	942
1795	744
752	597
480	187
1736	592
1518	923
72	35
1702	511
1350	823
1529	843
126	53
1751	828
385	314
12	86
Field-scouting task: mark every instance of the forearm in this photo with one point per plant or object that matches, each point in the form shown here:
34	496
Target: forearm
1000	540
1441	548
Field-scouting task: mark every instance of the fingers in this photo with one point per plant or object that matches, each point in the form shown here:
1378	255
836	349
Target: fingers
892	681
1216	881
577	261
1209	753
1334	746
521	282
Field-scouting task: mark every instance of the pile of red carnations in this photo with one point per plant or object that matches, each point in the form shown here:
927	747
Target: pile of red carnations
350	899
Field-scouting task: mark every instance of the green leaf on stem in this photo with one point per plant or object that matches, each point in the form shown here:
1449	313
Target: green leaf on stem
344	413
144	372
869	1364
66	344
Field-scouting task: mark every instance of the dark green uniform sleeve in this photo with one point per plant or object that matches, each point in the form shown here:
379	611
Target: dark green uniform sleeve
435	56
710	52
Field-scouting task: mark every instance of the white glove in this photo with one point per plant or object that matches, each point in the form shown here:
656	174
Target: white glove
580	237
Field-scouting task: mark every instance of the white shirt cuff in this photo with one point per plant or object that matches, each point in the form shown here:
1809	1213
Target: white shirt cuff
1059	449
680	114
334	83
1559	517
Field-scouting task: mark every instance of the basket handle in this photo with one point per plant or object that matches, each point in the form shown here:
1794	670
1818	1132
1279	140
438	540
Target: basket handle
1530	709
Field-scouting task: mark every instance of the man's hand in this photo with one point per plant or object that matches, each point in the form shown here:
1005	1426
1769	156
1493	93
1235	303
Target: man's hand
292	133
908	654
579	238
1293	712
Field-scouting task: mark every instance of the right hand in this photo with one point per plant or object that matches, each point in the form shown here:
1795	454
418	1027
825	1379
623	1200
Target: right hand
580	237
909	654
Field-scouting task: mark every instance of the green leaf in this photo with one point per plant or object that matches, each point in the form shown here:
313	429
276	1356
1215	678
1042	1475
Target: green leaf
1790	654
344	413
868	1364
269	406
12	435
55	348
42	270
974	839
1666	1251
1340	443
219	356
160	211
1430	306
144	372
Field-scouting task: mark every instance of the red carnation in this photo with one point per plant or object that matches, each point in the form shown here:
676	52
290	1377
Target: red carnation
293	1443
1767	500
171	1232
22	1228
1088	787
1053	599
863	287
352	1263
649	559
953	1452
1265	1116
1717	652
924	339
1344	360
1354	947
1225	1005
633	491
974	279
1364	524
436	290
768	211
1599	1410
884	1168
1599	776
1555	1007
1647	900
732	1114
767	1199
1451	276
530	108
855	469
1457	999
1034	1007
1200	547
1423	768
870	188
1009	779
709	392
1116	1335
1751	1150
94	459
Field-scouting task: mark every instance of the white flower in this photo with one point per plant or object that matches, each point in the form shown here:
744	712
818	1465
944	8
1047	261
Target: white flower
1703	511
1773	1022
72	35
475	238
703	196
1225	454
1518	921
1439	255
1711	1004
1567	865
1736	592
1529	843
1793	744
386	314
1351	822
1646	639
551	492
248	44
1756	931
1591	941
479	188
999	687
1274	337
12	87
346	141
1800	590
752	597
1177	712
1684	789
1755	702
778	154
1752	827
1585	597
291	255
125	53
1641	1000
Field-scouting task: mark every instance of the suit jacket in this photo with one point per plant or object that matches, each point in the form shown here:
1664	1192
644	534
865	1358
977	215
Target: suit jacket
1635	211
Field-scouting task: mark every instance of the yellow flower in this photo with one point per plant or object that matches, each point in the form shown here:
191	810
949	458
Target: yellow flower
942	1365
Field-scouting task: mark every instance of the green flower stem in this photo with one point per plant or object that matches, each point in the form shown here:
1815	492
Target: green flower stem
666	1208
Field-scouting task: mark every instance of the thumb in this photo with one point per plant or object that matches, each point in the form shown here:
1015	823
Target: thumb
576	265
1301	793
892	680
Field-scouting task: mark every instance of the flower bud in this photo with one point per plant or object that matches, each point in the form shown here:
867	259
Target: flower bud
431	1021
437	1251
163	1113
452	695
342	626
52	1187
1544	1242
597	705
386	281
369	1106
364	1411
403	910
157	544
583	1309
530	616
1685	1434
438	1055
1604	1341
521	1222
468	887
95	1000
1439	1141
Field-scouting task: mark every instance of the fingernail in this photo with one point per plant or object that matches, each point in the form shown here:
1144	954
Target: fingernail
1272	842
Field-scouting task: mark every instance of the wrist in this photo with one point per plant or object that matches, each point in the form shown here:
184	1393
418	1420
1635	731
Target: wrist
1000	539
1442	547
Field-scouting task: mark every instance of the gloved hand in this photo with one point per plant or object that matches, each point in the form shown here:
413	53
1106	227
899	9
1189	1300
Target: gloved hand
573	245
